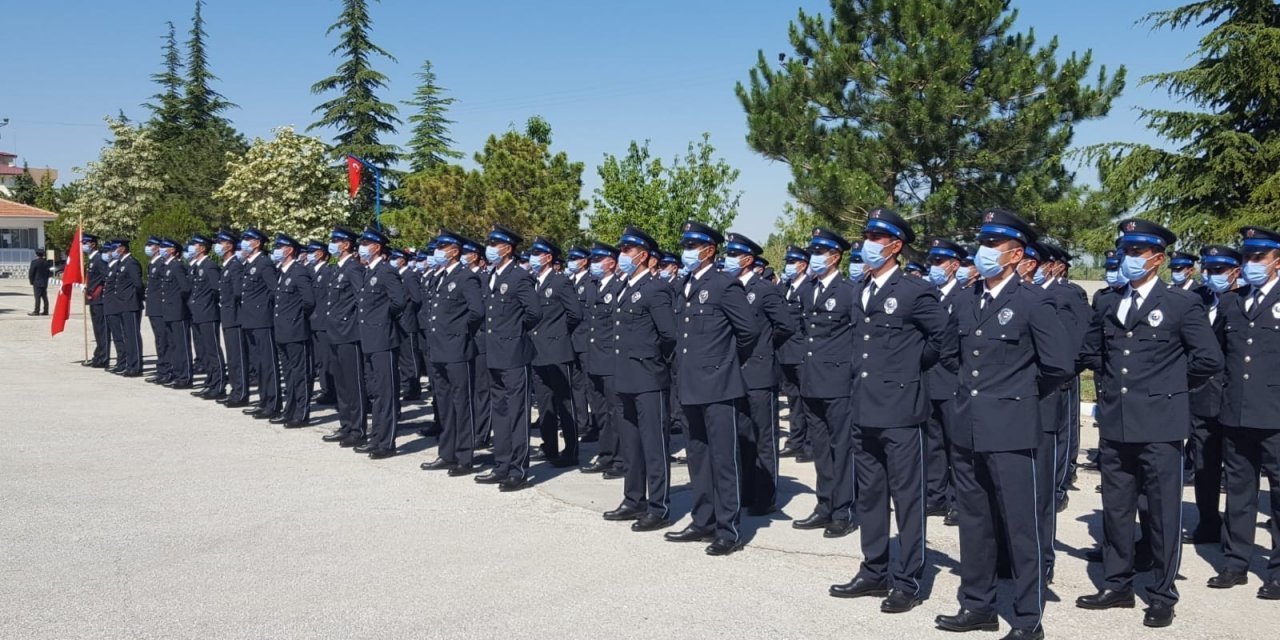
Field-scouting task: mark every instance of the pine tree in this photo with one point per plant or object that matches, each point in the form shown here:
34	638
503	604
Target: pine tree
935	107
24	187
431	144
167	109
1224	170
201	104
358	115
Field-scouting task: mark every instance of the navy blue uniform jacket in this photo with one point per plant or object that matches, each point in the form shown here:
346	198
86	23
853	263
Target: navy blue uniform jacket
714	338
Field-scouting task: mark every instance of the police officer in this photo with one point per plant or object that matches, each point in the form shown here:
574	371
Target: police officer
155	311
575	269
408	366
1251	410
1221	264
473	259
342	324
715	338
234	344
1011	351
944	258
795	276
826	380
511	311
602	299
203	303
1149	339
96	268
774	323
644	334
175	288
903	331
294	301
257	283
1182	271
123	307
107	255
321	352
553	354
1080	314
380	299
456	311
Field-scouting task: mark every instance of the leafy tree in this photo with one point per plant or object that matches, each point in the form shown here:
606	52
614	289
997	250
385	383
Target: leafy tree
201	104
794	226
123	185
167	110
24	187
171	220
430	145
1224	171
285	184
360	117
639	189
440	196
935	107
523	184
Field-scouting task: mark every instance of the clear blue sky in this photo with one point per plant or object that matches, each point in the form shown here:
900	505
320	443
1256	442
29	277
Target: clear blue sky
602	73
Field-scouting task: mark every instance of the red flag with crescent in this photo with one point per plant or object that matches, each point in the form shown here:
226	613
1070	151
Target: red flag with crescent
353	175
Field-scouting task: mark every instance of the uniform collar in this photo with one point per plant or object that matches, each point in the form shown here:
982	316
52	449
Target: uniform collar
883	278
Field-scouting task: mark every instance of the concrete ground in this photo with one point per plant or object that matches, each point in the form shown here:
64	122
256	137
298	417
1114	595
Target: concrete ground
133	511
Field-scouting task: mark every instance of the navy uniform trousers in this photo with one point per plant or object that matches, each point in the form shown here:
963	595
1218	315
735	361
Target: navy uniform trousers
509	398
604	418
713	462
642	432
178	333
125	330
1130	470
553	388
891	464
1249	453
209	354
347	362
938	492
758	446
1206	447
831	435
455	407
236	348
482	401
797	431
261	347
383	388
101	339
159	331
295	362
1047	460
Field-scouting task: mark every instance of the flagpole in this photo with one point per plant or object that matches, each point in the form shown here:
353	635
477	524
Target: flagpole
84	282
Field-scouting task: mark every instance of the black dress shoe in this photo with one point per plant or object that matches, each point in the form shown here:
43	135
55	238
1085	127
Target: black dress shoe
563	461
1202	535
1158	615
650	522
323	400
838	529
899	602
859	587
439	464
688	534
336	436
538	454
131	374
1107	599
179	385
1062	506
512	483
296	424
814	521
461	470
937	510
251	410
379	454
755	510
1093	555
352	441
233	404
1269	591
596	467
367	447
968	621
431	432
491	477
623	512
804	457
269	415
722	547
952	519
278	419
614	473
1024	634
1227	579
788	451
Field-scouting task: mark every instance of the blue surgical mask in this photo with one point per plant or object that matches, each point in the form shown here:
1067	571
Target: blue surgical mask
597	270
366	253
684	272
1039	276
732	266
818	264
988	261
857	270
689	258
219	250
1255	273
245	246
1219	282
242	254
308	259
536	263
789	271
665	275
1134	267
277	255
334	249
1114	278
626	264
873	254
468	258
189	254
491	255
440	257
962	275
937	275
149	250
573	267
85	248
1179	277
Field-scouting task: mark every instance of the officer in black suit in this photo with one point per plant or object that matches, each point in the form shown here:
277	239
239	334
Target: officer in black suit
1149	339
826	381
602	299
203	303
294	300
1081	313
795	277
155	311
1182	271
576	270
174	289
904	331
715	337
644	334
455	310
321	351
774	323
123	307
234	345
342	324
473	258
96	268
38	275
511	311
553	354
407	354
1011	353
257	286
380	300
944	258
107	255
1221	265
1251	410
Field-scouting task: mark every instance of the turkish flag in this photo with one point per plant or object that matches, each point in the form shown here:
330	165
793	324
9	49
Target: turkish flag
353	175
71	275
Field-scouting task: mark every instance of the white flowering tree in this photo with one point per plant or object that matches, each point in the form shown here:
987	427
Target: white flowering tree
123	185
287	184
